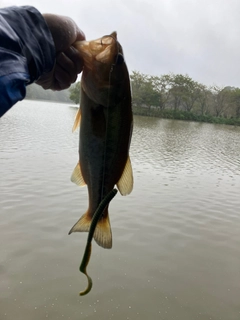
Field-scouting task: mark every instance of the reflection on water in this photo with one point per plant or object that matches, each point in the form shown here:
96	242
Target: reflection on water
176	252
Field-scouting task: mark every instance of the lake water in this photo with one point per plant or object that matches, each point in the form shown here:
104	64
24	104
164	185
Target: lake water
176	238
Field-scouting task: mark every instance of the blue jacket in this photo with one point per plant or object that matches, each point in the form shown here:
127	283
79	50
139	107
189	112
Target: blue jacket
26	52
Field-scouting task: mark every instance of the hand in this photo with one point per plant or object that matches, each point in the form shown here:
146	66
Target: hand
68	62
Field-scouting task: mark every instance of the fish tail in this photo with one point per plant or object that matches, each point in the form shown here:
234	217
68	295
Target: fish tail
82	225
103	232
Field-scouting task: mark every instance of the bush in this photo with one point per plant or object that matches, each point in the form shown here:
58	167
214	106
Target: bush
183	115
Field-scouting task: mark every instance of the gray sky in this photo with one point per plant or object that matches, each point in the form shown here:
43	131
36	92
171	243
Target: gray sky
197	37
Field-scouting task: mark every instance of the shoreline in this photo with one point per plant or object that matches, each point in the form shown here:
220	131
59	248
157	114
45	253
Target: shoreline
184	115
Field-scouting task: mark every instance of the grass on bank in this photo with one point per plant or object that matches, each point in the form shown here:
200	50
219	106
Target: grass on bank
184	115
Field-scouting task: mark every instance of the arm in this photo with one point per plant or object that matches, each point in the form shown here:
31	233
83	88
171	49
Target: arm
26	52
35	48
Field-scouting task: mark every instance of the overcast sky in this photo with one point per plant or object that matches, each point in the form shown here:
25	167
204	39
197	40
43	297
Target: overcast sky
200	38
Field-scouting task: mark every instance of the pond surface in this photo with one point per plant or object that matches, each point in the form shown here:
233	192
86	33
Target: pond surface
176	238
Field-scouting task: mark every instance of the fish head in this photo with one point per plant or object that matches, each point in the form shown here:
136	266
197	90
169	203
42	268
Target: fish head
102	59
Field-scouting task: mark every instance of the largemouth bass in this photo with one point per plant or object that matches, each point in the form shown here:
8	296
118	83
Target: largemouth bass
105	117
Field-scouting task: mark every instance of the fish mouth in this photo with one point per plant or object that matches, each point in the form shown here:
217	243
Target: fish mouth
104	50
113	35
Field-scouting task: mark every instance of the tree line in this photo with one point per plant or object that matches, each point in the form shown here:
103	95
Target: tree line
179	92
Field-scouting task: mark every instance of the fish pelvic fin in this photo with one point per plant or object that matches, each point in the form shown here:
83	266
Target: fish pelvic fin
77	120
77	176
125	183
82	225
103	232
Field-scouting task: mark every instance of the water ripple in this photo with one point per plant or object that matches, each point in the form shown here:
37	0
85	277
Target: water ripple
175	238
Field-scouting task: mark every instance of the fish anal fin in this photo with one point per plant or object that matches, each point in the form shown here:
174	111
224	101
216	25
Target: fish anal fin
103	233
82	225
77	176
77	120
125	183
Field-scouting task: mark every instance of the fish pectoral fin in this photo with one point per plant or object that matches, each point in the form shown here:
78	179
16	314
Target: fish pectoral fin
77	120
103	233
82	225
77	176
125	183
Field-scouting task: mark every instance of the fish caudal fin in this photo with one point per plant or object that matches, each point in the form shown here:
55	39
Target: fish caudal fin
125	183
103	233
82	225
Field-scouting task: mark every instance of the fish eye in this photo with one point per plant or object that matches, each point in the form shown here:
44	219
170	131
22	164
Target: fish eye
119	59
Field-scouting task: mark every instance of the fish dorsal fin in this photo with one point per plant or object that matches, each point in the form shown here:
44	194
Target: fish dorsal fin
77	176
125	183
77	120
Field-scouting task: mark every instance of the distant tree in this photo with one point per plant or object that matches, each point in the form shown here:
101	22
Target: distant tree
175	95
235	99
185	91
220	100
176	91
137	82
75	92
203	99
143	91
162	85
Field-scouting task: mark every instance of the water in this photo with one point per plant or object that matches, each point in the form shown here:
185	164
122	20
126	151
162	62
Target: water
176	238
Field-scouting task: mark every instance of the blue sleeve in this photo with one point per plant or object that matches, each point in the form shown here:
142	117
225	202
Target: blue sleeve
26	52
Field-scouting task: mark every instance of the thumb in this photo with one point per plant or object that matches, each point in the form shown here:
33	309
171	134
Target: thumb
64	31
80	35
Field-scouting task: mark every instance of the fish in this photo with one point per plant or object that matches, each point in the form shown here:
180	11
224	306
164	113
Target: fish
106	123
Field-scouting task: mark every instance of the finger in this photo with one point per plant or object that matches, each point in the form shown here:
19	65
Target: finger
64	31
62	79
67	65
46	81
75	57
80	35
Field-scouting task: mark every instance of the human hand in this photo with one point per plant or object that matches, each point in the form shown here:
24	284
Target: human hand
68	62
